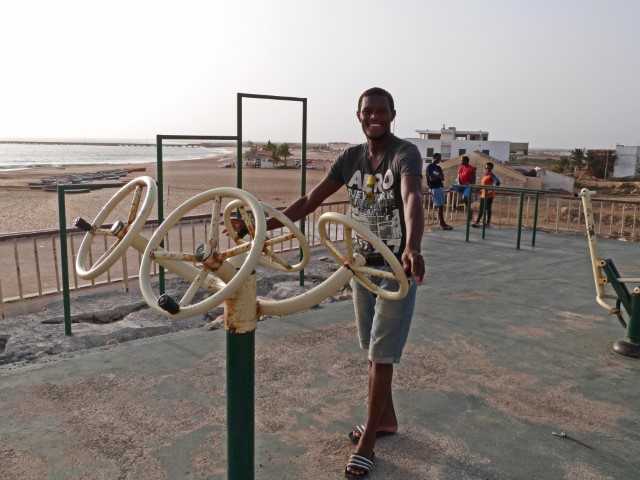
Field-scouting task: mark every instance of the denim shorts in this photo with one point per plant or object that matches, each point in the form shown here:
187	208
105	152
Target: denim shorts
383	325
437	196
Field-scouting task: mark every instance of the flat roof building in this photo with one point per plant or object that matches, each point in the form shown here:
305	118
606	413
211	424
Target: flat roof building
627	163
451	142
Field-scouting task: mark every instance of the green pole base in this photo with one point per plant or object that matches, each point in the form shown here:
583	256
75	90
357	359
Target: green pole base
626	348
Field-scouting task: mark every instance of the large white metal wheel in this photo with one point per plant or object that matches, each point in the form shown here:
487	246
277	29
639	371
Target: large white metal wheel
355	261
269	258
126	232
213	260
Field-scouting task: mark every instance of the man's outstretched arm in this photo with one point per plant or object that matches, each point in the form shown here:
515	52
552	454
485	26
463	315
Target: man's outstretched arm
411	190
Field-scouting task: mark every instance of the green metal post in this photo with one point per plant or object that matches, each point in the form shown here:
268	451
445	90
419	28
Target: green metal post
64	259
303	182
240	405
535	221
239	135
633	327
468	211
520	208
159	184
484	212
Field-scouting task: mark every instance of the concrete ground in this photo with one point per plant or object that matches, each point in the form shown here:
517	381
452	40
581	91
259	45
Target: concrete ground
506	347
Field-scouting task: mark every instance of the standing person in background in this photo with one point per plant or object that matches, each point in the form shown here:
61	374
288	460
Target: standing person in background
486	198
383	177
466	176
435	182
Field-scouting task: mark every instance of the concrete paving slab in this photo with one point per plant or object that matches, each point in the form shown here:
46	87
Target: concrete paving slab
506	347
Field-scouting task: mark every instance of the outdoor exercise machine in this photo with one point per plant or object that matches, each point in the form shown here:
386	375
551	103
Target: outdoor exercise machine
606	274
228	275
242	306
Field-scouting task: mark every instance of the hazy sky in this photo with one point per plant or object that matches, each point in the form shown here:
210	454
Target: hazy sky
555	73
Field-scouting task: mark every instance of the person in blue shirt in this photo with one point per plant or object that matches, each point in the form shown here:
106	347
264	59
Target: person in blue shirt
435	182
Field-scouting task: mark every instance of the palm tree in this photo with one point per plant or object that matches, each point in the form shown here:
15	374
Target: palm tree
275	159
251	155
578	156
284	152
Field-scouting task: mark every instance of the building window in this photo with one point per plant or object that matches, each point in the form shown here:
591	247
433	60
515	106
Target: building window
462	151
429	152
486	152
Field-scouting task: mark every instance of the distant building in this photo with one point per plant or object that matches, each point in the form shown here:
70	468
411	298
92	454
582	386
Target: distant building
338	145
450	143
627	163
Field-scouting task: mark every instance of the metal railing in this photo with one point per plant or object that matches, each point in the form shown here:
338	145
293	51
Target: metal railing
617	218
31	264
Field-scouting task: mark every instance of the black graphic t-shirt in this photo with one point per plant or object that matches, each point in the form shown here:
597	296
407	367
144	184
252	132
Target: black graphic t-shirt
375	196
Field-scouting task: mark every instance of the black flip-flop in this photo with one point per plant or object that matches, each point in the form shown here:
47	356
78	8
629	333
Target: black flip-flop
360	462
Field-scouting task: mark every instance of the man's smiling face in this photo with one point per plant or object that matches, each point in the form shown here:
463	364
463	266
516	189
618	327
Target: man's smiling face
375	116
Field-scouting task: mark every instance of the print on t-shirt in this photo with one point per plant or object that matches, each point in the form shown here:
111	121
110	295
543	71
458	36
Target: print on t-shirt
375	207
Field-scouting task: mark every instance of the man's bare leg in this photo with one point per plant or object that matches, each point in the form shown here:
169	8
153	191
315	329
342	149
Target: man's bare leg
380	409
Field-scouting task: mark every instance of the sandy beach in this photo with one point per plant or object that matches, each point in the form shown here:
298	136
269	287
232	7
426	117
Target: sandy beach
24	209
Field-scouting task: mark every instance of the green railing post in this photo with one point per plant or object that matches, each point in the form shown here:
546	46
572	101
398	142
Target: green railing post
484	212
64	259
468	205
520	208
535	221
240	405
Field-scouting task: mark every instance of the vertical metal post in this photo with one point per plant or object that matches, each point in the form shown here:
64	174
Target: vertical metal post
630	346
303	183
535	221
484	210
159	183
239	135
240	405
468	206
240	321
633	327
66	300
520	208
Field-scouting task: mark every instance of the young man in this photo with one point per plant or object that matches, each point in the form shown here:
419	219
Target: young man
435	181
383	177
486	198
466	176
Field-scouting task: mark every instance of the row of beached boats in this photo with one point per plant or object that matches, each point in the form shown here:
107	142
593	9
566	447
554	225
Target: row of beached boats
50	184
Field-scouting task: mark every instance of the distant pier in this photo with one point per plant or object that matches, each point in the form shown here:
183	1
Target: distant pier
101	144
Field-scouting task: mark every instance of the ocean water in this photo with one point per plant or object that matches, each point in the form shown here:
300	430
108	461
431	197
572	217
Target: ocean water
15	156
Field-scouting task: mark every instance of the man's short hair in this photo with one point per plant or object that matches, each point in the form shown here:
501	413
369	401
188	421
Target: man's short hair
437	155
489	164
376	91
465	158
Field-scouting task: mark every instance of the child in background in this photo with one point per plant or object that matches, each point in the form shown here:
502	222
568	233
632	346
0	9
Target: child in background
486	198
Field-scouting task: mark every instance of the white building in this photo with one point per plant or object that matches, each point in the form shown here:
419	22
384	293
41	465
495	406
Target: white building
627	162
450	143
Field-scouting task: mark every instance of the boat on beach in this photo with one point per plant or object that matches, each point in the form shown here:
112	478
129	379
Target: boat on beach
51	182
54	188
